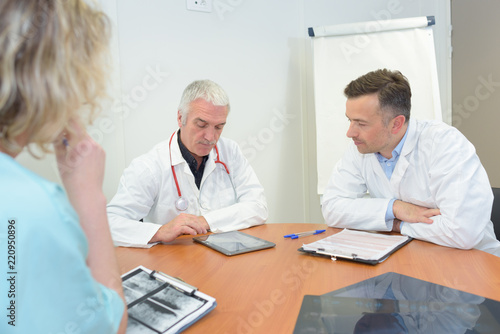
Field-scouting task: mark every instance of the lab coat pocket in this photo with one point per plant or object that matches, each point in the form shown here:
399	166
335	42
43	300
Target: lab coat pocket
217	193
418	194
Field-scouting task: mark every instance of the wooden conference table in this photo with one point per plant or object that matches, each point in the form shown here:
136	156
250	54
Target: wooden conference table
262	292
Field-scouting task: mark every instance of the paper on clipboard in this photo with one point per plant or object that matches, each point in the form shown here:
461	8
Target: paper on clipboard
357	245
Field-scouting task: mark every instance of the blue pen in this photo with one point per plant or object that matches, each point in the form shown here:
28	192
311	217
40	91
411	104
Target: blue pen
303	234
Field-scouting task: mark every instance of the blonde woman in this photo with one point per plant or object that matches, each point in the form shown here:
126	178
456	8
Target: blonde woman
59	273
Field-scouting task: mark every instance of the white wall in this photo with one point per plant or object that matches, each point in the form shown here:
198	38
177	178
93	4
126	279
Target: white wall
259	52
476	78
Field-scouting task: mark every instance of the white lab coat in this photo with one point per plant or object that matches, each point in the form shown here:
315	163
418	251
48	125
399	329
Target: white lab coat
147	191
438	168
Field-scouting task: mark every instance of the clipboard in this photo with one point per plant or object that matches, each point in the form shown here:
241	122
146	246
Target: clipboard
159	303
351	245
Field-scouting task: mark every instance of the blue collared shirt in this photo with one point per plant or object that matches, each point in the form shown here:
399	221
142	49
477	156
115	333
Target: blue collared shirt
388	168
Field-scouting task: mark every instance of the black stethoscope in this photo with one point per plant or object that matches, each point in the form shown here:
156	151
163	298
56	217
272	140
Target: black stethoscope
182	204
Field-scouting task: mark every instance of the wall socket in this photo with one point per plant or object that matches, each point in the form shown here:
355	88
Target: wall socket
199	5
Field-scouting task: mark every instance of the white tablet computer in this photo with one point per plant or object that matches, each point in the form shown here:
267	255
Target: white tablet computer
233	243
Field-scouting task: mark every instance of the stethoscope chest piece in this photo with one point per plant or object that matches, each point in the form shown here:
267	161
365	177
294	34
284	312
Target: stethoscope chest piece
181	204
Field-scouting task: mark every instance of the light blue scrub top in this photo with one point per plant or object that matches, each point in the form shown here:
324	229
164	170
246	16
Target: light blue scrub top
54	289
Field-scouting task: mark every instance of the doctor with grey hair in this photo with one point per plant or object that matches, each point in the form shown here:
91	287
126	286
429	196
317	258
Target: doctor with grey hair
193	182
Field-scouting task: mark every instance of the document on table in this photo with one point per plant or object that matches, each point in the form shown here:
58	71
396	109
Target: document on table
359	246
158	303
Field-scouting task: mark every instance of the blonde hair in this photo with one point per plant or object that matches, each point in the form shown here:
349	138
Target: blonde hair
53	60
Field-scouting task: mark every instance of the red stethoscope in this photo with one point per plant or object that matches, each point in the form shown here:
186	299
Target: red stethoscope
182	204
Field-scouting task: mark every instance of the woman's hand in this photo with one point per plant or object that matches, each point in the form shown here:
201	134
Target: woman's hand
81	164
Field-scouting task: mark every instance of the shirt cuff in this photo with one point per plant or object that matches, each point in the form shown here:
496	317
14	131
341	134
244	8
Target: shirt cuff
389	214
